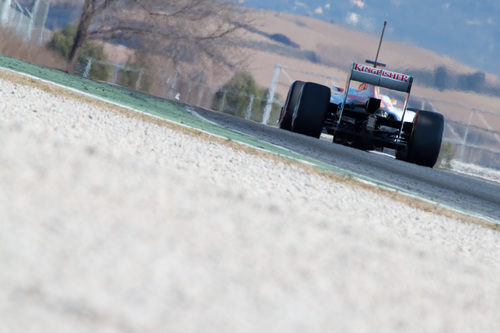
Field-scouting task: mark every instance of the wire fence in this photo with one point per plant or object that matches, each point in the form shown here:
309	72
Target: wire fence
26	21
190	92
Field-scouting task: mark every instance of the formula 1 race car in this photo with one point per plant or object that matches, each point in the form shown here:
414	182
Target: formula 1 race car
365	117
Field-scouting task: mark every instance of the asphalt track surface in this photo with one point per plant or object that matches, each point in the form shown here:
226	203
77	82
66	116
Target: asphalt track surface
468	194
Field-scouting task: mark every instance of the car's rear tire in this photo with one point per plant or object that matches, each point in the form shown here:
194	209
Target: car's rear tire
425	139
291	101
311	110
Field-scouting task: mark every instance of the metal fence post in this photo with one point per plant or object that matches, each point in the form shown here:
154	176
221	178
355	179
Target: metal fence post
31	24
21	23
249	108
44	13
270	97
223	101
171	85
139	78
116	70
201	94
167	85
190	89
87	68
462	152
4	18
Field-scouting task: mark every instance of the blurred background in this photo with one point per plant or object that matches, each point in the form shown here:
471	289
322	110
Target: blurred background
240	57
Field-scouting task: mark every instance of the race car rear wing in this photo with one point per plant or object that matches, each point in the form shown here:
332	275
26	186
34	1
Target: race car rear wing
379	77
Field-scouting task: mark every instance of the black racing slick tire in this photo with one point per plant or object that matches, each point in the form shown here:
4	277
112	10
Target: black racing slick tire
425	140
292	98
311	110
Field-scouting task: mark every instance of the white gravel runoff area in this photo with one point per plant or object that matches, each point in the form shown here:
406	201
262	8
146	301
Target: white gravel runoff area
110	223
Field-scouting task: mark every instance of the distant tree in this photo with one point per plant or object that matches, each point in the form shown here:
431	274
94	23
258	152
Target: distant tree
183	30
477	81
283	39
62	41
235	96
472	82
240	95
441	78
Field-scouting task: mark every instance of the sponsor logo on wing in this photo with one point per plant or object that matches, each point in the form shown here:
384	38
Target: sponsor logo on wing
381	72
